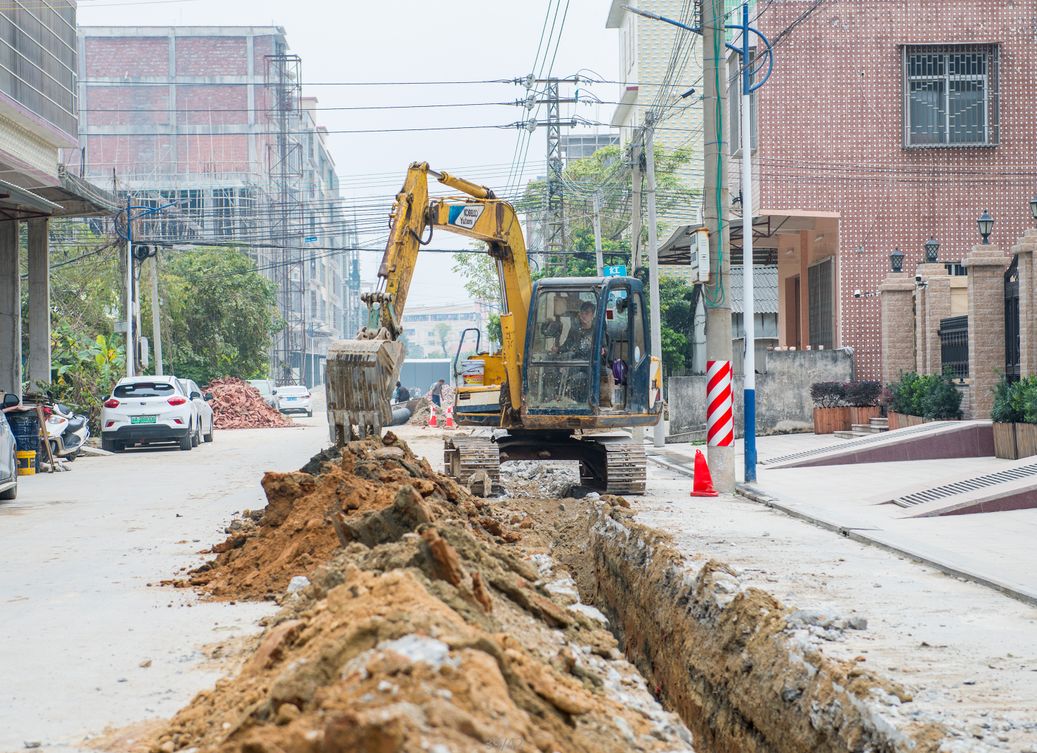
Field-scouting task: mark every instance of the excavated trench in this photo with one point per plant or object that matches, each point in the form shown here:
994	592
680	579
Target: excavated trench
417	617
743	672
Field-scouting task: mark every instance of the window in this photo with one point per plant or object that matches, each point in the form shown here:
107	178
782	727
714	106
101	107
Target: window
821	280
950	96
561	355
144	389
223	211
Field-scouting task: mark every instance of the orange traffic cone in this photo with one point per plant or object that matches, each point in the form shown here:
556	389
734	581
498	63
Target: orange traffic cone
703	483
433	422
450	418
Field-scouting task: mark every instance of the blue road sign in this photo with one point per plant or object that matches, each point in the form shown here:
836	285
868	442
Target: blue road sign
619	270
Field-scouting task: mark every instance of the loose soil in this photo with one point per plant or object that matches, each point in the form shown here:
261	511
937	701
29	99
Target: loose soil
423	628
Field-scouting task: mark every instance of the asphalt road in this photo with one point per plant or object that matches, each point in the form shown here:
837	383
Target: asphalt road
77	616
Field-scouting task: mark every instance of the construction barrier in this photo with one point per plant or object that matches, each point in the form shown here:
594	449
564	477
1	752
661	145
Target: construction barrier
26	462
720	417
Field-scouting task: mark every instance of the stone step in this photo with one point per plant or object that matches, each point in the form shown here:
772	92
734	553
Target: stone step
865	428
851	434
879	423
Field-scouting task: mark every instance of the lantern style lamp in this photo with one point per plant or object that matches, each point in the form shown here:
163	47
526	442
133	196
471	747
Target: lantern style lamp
986	226
1033	207
896	260
932	250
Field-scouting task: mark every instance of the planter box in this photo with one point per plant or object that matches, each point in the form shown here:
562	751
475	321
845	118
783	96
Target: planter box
1014	441
864	415
1004	441
829	420
903	420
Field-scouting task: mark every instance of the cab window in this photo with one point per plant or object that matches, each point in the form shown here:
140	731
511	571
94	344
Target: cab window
562	348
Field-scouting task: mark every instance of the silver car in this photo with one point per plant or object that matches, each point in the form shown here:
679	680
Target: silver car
8	461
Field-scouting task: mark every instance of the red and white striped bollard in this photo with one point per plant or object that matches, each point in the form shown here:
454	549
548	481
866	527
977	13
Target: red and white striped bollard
720	417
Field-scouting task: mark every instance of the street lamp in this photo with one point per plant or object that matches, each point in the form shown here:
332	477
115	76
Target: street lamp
932	249
986	225
1033	207
896	260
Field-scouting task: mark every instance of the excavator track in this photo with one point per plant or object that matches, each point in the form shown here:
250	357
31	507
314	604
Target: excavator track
464	456
622	468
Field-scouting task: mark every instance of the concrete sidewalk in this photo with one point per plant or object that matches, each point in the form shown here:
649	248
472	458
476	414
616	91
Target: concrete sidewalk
995	549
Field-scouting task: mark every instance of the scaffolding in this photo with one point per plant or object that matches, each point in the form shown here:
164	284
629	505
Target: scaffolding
284	89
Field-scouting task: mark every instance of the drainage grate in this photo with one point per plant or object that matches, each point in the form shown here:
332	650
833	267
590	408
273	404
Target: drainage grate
969	485
853	443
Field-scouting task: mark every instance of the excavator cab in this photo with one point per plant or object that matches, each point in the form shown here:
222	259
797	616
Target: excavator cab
587	362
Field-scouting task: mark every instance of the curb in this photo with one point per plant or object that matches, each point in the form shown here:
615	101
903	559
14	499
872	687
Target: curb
755	495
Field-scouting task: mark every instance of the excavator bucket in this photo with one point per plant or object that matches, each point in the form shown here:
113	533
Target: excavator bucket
360	378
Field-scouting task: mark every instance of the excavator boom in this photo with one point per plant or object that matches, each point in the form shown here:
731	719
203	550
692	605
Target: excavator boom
361	372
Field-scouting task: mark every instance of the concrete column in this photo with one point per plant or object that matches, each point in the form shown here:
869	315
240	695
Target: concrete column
937	307
986	265
1024	249
806	244
897	297
920	329
39	304
10	310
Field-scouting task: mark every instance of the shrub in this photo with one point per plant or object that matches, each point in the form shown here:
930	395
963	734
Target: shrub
862	394
827	394
1008	407
904	398
941	400
930	396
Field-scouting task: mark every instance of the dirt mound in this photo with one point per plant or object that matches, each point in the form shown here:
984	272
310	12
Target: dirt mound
421	632
421	412
236	404
308	516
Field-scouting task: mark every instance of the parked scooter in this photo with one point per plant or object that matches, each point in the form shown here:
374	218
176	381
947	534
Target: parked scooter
67	432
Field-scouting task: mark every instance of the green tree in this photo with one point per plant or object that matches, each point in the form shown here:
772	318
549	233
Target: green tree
218	315
442	333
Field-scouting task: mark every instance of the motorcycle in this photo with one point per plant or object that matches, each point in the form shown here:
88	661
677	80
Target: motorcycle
67	431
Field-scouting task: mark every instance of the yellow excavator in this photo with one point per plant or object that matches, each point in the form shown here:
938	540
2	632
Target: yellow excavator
574	364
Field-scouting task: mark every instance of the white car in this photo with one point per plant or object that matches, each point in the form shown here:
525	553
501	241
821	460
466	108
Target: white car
292	399
266	389
148	410
203	417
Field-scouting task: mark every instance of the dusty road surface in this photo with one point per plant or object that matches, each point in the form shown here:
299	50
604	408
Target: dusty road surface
85	642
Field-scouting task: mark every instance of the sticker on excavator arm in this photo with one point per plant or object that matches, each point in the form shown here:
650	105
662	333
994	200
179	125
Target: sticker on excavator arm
465	215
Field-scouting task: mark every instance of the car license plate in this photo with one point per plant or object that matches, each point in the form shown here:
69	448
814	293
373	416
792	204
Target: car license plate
291	399
142	419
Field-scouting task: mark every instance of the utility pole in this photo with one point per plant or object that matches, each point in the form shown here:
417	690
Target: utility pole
718	199
748	279
635	206
659	432
599	256
156	313
130	354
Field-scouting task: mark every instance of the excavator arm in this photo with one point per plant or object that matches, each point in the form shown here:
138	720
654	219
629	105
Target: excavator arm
361	372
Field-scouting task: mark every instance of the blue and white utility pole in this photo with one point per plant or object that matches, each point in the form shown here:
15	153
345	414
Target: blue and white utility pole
748	86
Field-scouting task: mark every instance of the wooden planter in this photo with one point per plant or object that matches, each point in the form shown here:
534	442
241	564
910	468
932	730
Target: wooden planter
830	420
903	420
864	415
1014	441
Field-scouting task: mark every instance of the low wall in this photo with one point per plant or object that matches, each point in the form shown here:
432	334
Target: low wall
783	401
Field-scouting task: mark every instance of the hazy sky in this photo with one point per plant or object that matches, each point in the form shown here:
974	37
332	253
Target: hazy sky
404	40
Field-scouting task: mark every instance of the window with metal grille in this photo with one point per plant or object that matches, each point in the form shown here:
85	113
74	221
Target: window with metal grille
822	304
950	95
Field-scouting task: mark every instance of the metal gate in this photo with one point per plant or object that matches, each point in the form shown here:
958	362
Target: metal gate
1012	321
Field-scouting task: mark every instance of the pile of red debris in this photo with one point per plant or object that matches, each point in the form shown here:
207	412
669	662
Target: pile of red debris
236	404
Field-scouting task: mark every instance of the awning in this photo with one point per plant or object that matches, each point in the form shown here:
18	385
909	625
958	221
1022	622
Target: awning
767	226
18	203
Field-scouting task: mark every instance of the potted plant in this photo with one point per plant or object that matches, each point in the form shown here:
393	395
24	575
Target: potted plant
1015	418
919	399
863	401
830	414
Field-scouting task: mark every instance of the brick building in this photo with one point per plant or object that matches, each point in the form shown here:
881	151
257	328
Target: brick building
189	116
886	123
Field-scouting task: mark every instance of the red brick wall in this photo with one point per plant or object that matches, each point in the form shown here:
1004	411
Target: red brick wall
212	154
128	155
126	105
114	57
219	105
831	139
211	56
